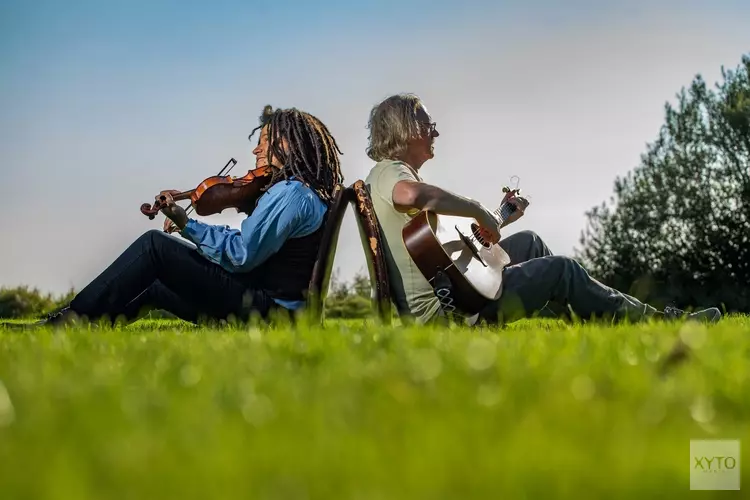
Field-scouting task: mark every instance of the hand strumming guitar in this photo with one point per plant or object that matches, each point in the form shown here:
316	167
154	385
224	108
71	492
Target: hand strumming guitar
489	225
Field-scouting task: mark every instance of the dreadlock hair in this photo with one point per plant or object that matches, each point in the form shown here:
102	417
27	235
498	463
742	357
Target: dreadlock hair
312	155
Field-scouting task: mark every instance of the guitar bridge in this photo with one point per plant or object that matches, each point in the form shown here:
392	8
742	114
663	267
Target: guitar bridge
471	246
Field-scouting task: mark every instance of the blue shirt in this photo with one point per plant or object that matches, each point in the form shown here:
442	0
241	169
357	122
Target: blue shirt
289	209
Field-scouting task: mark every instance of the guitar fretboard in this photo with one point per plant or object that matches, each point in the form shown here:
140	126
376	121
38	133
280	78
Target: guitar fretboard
504	211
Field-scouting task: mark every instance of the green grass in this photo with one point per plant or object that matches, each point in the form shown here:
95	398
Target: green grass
356	411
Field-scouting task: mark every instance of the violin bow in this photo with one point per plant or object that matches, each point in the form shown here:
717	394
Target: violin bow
223	171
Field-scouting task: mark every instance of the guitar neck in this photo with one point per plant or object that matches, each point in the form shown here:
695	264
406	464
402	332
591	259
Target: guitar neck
504	211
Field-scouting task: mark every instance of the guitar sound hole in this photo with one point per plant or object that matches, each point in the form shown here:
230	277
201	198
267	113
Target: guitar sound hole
475	231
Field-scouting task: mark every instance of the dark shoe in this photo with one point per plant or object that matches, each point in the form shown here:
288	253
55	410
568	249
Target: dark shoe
711	315
63	317
56	319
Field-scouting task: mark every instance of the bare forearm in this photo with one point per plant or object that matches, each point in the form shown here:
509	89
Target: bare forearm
444	202
428	197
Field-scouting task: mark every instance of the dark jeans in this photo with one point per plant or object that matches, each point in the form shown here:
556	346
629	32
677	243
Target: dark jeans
159	271
537	283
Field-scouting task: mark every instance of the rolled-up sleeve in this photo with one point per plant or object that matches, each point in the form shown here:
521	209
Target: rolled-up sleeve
391	174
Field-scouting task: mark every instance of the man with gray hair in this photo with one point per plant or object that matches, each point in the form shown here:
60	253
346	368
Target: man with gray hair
401	140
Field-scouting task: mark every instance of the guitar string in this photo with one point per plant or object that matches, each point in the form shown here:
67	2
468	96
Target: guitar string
446	301
502	212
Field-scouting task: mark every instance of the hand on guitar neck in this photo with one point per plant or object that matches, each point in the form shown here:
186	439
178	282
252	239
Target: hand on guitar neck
511	209
512	199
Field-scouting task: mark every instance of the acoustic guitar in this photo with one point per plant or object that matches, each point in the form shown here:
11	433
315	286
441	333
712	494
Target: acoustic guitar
455	246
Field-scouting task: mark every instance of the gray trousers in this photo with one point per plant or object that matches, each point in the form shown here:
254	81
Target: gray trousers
537	283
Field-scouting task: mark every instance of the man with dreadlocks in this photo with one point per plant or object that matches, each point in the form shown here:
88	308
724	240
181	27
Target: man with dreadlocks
265	265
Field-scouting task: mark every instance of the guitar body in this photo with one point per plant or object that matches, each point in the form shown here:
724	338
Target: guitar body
453	245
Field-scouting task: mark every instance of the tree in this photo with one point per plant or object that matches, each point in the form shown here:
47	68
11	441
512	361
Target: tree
676	229
22	302
347	300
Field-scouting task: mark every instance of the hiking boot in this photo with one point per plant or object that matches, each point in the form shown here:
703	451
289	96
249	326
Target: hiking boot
711	315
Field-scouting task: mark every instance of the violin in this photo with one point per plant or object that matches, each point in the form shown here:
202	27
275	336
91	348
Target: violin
219	192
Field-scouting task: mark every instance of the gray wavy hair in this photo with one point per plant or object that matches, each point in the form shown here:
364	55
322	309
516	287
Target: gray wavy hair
392	123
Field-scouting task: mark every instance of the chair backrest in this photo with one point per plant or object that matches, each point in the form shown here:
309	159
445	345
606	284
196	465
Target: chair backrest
321	275
372	244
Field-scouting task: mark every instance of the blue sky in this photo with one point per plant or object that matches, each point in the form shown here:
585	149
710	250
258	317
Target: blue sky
106	103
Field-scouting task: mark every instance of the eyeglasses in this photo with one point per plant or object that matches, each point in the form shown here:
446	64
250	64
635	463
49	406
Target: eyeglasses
430	126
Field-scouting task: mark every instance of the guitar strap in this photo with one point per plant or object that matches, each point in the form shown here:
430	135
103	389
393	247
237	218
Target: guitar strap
443	290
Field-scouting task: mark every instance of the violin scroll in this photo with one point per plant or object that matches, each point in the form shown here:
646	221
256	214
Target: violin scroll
152	211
